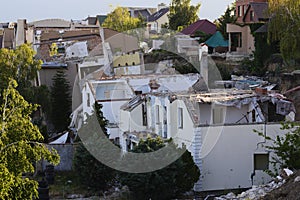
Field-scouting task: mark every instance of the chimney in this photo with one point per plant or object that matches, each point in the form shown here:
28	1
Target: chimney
20	37
161	6
153	85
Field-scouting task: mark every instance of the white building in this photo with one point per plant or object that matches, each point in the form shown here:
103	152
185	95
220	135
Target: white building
113	92
216	127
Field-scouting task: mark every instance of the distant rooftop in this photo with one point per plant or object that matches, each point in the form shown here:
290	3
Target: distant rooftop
155	16
51	23
203	25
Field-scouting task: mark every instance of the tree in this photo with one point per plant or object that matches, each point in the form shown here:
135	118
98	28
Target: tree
90	171
227	18
120	20
18	64
182	14
165	183
284	26
20	146
60	101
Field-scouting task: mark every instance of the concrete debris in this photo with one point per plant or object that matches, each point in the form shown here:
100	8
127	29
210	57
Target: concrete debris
256	192
297	179
288	171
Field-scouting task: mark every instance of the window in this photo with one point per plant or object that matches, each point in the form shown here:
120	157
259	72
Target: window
144	115
239	11
261	161
180	118
88	100
251	15
253	115
218	115
157	117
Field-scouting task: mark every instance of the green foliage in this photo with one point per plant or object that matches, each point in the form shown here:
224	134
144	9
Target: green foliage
90	171
182	13
120	20
263	52
53	50
284	26
18	64
60	101
20	146
227	18
101	119
287	147
225	70
166	183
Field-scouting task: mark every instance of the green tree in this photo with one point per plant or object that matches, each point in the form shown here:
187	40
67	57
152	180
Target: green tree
227	18
120	20
20	146
182	14
263	53
60	101
18	64
165	183
284	26
89	170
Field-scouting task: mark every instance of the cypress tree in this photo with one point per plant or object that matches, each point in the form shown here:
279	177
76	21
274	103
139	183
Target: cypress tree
60	101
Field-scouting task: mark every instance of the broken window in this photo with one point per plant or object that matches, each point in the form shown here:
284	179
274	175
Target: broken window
180	118
261	161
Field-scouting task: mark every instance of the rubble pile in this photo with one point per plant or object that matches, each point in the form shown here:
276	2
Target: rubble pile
256	192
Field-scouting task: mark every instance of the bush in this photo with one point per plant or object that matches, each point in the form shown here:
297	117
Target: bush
166	183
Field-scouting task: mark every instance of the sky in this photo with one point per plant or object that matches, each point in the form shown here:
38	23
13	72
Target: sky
33	10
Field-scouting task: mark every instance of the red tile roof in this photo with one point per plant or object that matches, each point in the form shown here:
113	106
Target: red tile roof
201	25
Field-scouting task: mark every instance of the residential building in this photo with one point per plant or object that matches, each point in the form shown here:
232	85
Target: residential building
241	40
113	92
158	19
216	126
143	12
7	35
203	25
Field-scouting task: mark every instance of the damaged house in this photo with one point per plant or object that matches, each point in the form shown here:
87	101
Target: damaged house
216	126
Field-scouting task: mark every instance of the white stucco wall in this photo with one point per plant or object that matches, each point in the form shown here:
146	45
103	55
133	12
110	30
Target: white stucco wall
111	110
88	101
227	155
77	50
232	114
186	133
128	70
236	115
